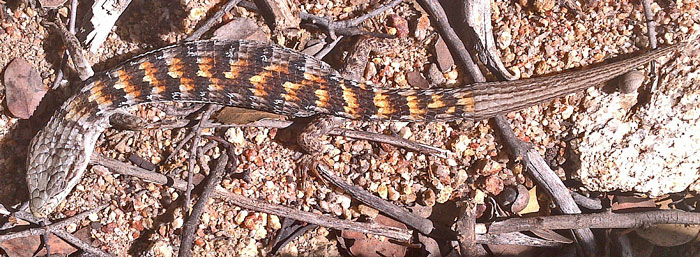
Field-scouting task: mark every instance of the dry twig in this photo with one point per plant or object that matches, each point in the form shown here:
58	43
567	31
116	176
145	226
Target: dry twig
56	228
421	224
193	220
596	220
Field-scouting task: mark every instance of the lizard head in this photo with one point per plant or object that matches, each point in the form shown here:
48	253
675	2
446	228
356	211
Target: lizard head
58	156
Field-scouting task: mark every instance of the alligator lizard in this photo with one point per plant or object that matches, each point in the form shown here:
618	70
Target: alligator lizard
267	78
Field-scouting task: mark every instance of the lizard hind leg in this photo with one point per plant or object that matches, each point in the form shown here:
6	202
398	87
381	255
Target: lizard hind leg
310	140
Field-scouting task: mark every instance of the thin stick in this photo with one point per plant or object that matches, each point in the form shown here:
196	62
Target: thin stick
421	224
334	26
193	219
50	227
586	202
596	220
515	238
193	153
70	238
64	59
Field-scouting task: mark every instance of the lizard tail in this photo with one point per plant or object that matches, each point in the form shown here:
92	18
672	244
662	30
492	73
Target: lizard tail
493	98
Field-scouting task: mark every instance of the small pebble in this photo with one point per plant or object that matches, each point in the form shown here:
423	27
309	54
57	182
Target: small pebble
435	76
493	185
429	198
421	29
630	82
443	55
368	211
401	25
415	79
543	6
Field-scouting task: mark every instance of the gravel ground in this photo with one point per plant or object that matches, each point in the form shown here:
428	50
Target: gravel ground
537	39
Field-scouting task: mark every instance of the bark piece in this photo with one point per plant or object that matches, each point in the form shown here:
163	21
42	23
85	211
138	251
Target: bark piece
478	29
104	14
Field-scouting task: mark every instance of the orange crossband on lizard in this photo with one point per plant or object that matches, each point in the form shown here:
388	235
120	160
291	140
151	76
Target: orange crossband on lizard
268	78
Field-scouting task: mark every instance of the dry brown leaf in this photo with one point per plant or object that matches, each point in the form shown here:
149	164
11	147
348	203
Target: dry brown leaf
241	28
52	3
668	235
521	200
533	205
551	235
630	202
373	246
242	116
23	88
516	250
26	246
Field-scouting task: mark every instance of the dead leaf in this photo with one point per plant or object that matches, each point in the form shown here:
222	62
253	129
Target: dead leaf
640	246
668	235
241	28
516	250
551	235
373	246
521	201
23	88
630	202
26	246
52	3
242	116
533	205
664	204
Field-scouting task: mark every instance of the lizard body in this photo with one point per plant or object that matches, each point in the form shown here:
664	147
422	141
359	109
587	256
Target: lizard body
268	78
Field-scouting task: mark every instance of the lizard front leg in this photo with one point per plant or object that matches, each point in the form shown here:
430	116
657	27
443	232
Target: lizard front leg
310	140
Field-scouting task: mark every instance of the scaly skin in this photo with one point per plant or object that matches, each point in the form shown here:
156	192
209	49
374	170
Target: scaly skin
267	78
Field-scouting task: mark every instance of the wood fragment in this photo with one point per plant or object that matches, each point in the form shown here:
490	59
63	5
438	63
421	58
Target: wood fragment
190	226
515	238
596	220
478	29
51	227
104	14
465	228
423	225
